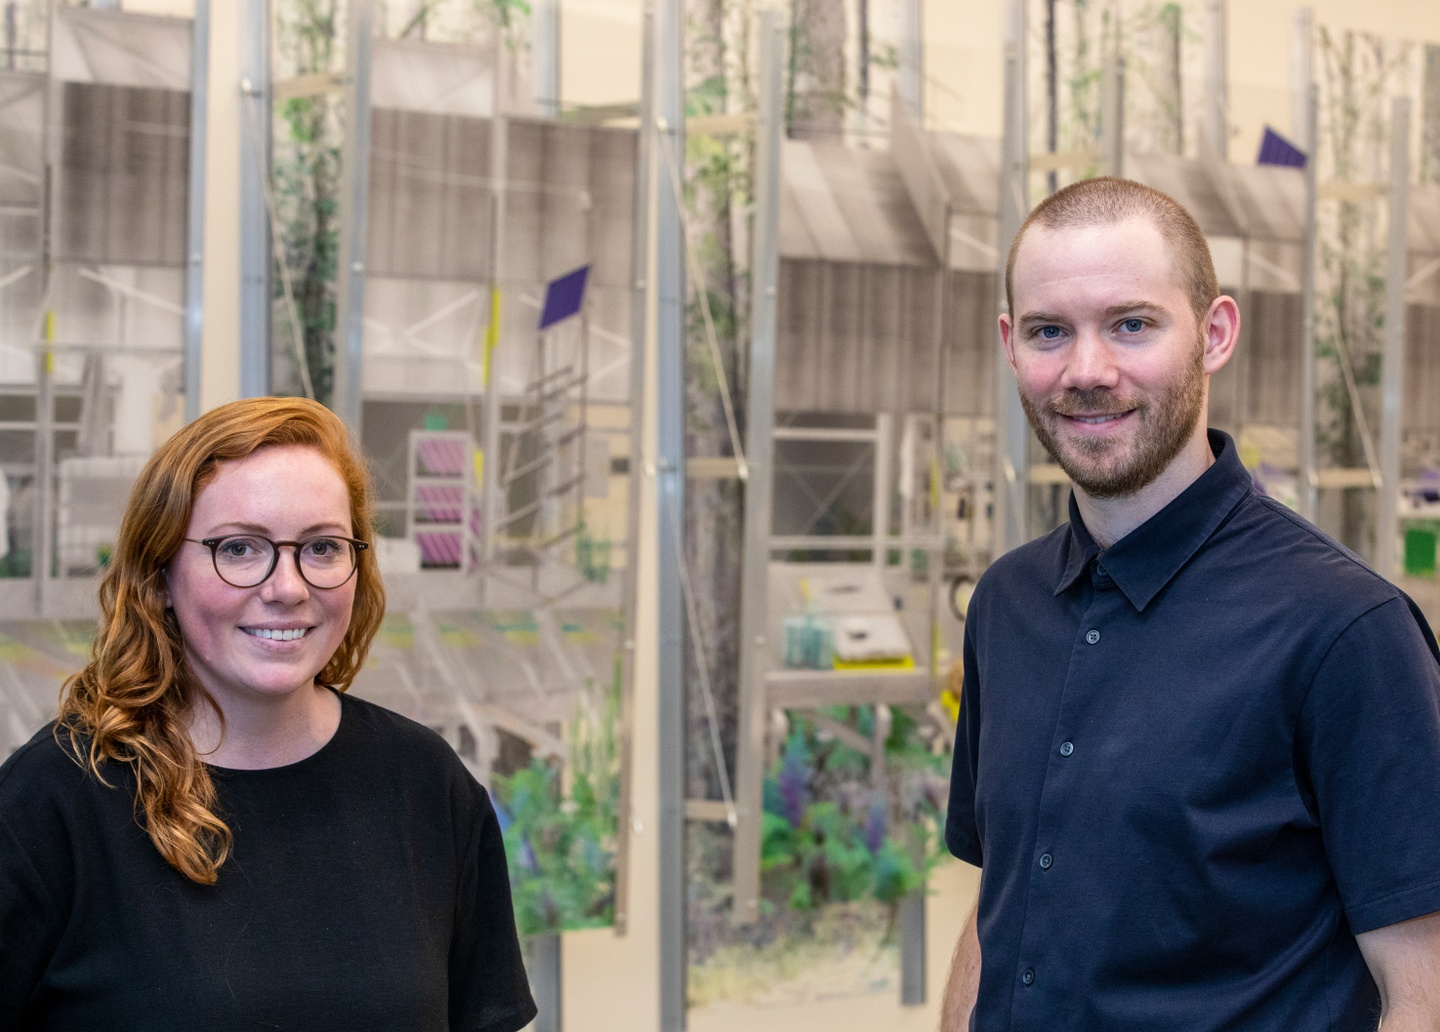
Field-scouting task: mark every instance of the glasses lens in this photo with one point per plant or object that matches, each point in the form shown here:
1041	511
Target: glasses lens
243	561
327	562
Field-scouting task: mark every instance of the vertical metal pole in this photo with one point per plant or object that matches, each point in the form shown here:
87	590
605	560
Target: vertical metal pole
354	212
1012	432
545	76
1392	371
1302	72
195	208
912	57
912	949
43	539
639	270
255	256
545	982
1112	116
760	457
492	493
1217	80
880	526
670	484
1305	445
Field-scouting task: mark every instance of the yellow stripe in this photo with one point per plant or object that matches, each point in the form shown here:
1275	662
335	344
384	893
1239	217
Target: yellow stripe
492	335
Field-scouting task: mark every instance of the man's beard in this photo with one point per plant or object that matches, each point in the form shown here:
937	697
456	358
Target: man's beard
1165	424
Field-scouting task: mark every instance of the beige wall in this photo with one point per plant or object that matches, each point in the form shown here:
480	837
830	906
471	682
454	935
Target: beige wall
963	61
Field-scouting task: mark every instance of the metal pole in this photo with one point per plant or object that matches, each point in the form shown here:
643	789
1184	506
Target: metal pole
354	211
912	949
1012	432
195	208
255	255
1112	117
546	75
1305	449
670	485
880	495
43	540
759	448
1217	80
1392	374
912	57
545	982
492	499
760	456
639	317
1302	72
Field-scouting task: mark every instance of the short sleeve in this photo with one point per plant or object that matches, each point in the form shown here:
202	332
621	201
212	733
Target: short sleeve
489	991
962	836
1369	744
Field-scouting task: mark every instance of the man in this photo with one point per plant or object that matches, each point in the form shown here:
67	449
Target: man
1198	757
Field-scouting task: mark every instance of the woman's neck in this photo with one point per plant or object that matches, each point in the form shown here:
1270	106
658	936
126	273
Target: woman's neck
268	732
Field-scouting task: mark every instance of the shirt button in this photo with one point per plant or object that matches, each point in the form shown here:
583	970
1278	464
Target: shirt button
1028	977
1045	861
1066	748
1092	636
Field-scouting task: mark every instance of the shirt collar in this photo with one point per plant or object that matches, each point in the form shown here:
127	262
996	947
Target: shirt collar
1148	558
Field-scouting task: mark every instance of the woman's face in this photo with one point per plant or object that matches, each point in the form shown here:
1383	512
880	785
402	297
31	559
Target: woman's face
231	635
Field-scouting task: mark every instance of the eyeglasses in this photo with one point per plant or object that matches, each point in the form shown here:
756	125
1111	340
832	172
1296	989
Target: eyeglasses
246	560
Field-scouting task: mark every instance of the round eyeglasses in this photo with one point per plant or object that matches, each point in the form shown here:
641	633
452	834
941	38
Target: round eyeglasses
246	560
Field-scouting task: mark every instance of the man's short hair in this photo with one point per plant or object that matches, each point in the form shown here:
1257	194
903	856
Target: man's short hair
1106	201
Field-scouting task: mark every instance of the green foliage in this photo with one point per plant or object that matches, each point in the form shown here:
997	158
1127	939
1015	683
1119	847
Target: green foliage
560	842
306	176
827	837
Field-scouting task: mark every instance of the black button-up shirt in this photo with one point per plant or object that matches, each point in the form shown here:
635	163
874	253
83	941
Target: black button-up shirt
1193	766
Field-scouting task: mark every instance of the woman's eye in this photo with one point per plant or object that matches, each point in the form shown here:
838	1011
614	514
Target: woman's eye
237	548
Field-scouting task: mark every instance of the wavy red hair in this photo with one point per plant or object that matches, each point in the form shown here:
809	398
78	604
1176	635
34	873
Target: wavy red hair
130	704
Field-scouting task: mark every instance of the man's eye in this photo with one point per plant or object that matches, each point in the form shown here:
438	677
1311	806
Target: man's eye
1133	325
1049	333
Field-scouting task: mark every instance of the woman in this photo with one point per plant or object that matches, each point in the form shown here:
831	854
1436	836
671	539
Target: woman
214	836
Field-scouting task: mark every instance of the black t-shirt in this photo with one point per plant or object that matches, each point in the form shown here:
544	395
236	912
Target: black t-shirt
367	890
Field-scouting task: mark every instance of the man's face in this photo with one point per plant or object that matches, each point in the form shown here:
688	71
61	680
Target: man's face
1108	356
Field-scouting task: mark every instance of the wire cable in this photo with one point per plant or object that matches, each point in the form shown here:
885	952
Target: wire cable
711	338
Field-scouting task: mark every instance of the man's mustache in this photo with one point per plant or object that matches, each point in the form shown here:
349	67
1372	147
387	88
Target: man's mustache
1099	402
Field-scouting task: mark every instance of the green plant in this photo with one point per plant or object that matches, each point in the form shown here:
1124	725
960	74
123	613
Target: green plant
559	839
827	836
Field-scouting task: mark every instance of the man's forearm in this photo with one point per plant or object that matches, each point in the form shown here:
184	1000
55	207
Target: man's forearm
963	985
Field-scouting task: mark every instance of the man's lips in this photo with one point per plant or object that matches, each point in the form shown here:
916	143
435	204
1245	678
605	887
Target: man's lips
1091	417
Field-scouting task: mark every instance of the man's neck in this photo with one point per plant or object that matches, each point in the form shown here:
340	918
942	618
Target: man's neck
1110	519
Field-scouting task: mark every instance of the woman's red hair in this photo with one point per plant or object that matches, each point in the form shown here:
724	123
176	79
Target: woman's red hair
131	703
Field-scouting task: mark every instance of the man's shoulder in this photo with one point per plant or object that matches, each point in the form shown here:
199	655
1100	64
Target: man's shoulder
1278	546
1033	564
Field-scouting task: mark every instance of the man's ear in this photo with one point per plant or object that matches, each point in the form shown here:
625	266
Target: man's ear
1005	341
1220	332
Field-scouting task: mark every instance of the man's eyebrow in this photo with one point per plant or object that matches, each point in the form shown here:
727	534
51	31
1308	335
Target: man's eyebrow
1029	319
1133	308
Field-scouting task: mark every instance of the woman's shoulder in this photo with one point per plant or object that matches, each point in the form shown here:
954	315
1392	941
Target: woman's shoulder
50	761
374	727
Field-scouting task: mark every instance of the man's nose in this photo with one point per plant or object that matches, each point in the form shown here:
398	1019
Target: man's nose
1092	362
